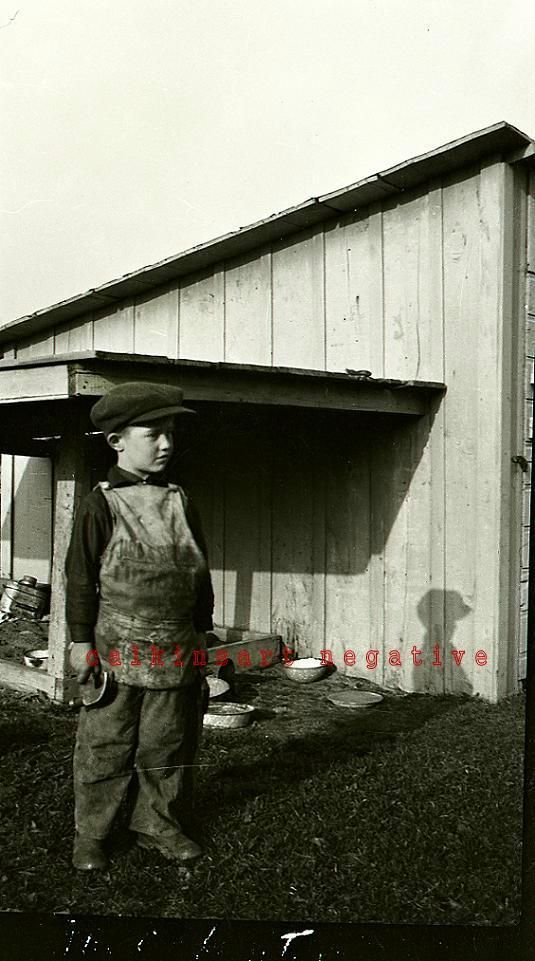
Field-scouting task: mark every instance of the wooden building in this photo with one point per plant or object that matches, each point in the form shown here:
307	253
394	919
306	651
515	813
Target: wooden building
346	514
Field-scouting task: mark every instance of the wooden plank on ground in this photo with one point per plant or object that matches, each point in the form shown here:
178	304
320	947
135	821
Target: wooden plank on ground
24	678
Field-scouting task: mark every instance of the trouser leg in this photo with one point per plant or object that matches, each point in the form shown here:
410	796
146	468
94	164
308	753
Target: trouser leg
103	760
168	738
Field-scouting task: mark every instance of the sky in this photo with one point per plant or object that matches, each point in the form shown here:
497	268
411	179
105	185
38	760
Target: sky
134	129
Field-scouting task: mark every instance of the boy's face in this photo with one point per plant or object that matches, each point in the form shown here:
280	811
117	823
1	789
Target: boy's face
144	449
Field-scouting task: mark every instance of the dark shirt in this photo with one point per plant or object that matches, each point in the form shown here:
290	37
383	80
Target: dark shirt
91	534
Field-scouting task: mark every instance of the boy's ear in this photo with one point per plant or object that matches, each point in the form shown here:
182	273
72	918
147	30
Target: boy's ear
115	441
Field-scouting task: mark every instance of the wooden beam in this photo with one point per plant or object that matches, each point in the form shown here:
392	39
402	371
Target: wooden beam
25	448
248	387
34	383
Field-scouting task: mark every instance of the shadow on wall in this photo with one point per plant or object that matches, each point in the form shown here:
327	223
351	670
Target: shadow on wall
441	657
288	495
288	498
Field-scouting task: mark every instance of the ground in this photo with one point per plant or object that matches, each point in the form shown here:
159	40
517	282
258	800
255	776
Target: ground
410	811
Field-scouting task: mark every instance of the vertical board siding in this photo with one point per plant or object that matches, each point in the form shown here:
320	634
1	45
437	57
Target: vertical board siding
298	540
353	270
461	308
473	297
348	547
39	346
156	324
514	240
6	514
411	581
379	472
77	335
490	551
26	517
210	500
412	238
247	575
399	603
32	517
114	329
202	318
384	541
299	303
248	311
528	424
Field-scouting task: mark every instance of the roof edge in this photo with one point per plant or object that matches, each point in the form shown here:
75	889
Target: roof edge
501	137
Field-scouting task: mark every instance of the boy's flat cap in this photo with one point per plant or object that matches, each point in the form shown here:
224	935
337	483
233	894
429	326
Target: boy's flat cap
136	403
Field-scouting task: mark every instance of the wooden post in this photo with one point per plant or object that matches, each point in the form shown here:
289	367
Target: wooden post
71	482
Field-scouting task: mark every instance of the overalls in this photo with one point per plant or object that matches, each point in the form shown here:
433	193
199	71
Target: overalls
148	583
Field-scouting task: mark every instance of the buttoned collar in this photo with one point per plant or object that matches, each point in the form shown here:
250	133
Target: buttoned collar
117	477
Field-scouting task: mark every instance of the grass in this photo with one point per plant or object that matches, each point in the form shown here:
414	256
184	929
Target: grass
408	812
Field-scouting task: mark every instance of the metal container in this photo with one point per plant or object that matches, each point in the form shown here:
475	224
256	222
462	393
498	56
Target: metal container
305	669
228	715
37	658
25	598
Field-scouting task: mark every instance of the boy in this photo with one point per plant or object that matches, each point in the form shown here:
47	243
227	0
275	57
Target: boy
139	600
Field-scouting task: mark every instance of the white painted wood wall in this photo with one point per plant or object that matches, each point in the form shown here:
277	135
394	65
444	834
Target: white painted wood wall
26	517
528	400
421	286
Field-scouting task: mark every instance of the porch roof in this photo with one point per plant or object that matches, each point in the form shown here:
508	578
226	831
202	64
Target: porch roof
36	395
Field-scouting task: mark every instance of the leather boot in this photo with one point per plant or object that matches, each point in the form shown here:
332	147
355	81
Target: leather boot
176	848
88	854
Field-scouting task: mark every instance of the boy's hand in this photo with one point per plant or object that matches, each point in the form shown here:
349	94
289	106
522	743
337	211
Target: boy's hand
79	661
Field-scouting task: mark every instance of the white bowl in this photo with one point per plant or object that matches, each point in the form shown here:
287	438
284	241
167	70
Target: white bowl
37	658
305	669
217	686
228	715
356	699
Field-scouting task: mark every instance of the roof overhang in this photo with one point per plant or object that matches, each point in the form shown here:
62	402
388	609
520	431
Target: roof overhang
499	139
34	394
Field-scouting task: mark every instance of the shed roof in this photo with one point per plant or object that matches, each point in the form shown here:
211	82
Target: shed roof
37	395
500	138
